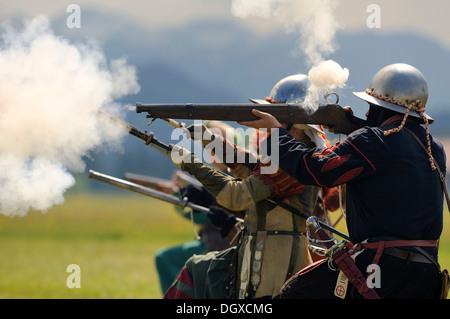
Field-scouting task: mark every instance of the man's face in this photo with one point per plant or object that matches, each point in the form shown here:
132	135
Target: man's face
374	115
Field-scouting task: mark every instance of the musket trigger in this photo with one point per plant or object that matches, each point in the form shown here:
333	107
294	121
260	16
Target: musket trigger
153	120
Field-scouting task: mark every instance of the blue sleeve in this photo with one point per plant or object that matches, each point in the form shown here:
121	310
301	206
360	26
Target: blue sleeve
336	165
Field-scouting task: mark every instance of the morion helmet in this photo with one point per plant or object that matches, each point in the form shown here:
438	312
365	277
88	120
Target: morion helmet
293	89
398	87
401	88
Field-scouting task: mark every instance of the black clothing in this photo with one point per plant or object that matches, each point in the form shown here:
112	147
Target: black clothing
391	189
391	192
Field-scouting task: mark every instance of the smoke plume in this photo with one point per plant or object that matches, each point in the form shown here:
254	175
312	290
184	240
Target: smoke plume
325	76
316	24
51	92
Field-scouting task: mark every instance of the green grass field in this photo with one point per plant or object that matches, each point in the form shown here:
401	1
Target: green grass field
113	238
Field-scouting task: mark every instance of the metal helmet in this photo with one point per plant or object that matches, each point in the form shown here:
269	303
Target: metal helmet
397	86
293	89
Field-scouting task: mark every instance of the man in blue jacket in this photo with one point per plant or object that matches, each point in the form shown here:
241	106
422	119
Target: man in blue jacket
393	170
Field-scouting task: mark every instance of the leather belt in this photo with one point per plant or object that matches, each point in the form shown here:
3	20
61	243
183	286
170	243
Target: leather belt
382	246
407	255
400	243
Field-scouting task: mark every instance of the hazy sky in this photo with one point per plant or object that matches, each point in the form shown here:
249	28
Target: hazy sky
427	18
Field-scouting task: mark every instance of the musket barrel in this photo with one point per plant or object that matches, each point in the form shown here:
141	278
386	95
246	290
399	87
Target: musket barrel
331	115
225	112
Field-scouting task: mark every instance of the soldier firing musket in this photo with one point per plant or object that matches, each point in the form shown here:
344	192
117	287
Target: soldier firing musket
167	149
394	173
272	244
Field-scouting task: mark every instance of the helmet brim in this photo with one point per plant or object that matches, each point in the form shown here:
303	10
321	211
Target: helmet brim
259	101
390	106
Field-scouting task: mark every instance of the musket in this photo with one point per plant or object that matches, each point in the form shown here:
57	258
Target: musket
148	138
181	202
160	184
331	115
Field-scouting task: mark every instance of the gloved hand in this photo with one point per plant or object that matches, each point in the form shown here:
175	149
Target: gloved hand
199	132
197	196
221	219
181	156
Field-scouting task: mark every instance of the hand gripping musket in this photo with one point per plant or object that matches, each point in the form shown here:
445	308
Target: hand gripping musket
181	202
337	252
331	115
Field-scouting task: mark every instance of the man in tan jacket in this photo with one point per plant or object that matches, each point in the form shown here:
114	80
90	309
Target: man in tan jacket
271	245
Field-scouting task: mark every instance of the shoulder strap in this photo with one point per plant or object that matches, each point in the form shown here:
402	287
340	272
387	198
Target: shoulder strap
441	176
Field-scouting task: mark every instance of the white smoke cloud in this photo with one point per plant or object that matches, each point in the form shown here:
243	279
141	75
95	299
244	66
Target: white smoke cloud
51	92
314	20
328	74
325	76
316	24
